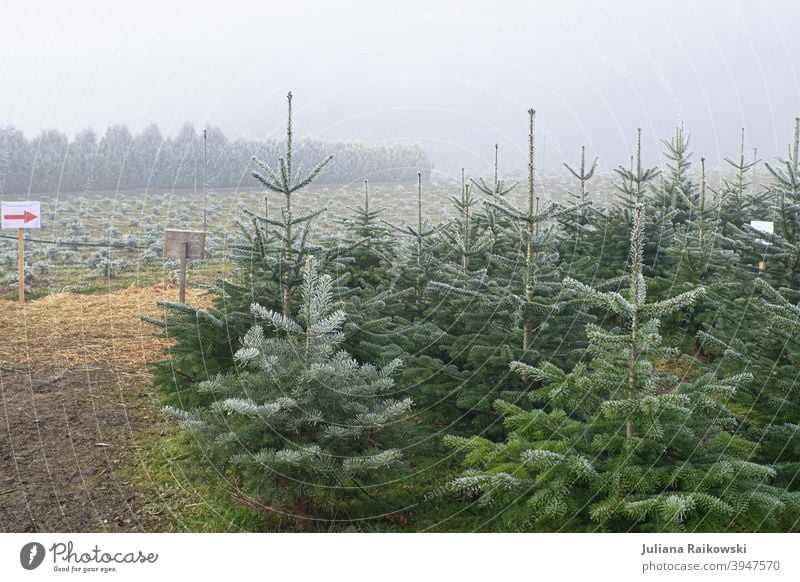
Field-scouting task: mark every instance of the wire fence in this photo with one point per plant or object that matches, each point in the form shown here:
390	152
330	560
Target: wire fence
76	244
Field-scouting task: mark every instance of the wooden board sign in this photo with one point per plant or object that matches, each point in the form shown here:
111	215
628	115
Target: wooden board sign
195	241
21	215
24	214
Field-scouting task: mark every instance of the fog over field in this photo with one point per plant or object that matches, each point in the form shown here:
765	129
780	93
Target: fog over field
454	76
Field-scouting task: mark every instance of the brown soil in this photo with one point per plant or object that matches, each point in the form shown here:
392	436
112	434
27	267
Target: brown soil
76	411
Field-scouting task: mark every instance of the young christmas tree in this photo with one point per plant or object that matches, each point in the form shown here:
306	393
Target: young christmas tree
737	200
494	191
269	257
369	242
784	196
767	348
301	427
416	263
698	260
618	444
609	233
505	306
465	239
417	337
290	232
777	424
581	217
733	263
678	192
764	257
528	278
475	327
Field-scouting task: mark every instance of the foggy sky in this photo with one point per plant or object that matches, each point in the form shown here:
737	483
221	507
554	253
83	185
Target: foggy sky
454	76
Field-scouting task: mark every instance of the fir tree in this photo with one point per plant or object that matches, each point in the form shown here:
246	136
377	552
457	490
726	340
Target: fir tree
779	428
269	256
538	255
767	348
465	239
580	218
609	231
785	203
468	310
764	257
301	426
495	190
737	203
370	243
417	262
507	308
618	444
699	260
678	193
283	181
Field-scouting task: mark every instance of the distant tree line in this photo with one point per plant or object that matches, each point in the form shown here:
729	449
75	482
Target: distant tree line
120	160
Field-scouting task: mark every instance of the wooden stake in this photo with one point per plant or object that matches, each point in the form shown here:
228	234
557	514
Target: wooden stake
21	265
184	250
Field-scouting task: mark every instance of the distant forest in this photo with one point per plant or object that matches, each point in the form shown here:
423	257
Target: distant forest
120	160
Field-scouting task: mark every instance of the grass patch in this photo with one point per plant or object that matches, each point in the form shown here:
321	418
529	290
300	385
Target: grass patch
187	495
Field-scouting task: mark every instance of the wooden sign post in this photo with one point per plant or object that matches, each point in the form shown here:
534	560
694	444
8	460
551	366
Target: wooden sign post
21	215
21	264
183	245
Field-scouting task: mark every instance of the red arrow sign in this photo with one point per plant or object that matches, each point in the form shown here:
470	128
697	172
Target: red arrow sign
25	216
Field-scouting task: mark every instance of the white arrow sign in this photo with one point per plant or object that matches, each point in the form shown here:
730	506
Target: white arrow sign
21	215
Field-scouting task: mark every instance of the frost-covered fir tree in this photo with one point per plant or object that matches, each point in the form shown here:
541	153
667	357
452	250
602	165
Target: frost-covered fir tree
475	328
777	426
764	257
608	234
416	262
738	199
467	241
699	260
767	347
528	278
301	427
494	190
578	254
620	443
784	201
678	193
290	232
268	256
507	308
415	335
369	244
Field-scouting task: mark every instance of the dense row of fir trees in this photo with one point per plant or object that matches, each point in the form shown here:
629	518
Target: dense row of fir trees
531	367
119	160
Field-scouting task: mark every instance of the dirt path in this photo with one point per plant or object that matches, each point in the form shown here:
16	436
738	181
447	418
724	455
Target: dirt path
75	410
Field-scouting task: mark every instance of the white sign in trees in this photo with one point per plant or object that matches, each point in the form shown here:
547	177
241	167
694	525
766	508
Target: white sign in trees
21	215
767	227
763	226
